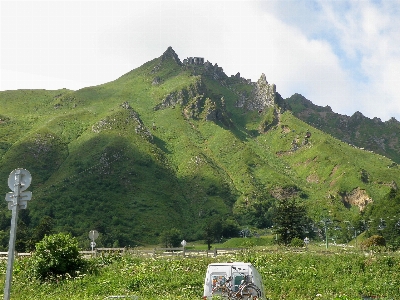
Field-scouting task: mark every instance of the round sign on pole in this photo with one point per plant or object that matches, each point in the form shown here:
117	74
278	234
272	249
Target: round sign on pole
93	234
25	179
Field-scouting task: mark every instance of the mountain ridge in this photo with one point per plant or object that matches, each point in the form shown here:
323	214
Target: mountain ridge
180	145
363	132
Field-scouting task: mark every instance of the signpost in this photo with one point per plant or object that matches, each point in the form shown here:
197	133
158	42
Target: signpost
306	241
183	243
93	234
18	181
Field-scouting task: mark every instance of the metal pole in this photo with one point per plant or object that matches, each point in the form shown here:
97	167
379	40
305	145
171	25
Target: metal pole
326	235
13	234
355	236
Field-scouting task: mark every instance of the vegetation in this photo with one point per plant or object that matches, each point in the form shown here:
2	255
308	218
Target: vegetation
374	241
290	221
168	146
286	275
370	134
55	257
171	238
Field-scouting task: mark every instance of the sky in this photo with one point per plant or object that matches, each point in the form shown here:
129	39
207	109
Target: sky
345	54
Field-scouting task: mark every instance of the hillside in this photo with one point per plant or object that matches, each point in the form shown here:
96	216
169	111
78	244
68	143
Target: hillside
358	130
176	144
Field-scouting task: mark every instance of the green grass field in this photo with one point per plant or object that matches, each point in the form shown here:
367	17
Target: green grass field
326	275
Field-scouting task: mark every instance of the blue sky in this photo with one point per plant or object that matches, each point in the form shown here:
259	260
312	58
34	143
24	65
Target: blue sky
345	54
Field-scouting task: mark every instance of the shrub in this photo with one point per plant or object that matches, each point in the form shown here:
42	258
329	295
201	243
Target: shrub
296	242
57	256
373	241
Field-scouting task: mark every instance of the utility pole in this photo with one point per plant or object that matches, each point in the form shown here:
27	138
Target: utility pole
18	181
326	221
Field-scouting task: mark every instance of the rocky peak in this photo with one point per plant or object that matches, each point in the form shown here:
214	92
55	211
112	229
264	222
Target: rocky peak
393	121
357	115
170	53
262	80
263	95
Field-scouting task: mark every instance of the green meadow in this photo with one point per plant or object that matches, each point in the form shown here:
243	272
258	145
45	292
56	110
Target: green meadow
335	273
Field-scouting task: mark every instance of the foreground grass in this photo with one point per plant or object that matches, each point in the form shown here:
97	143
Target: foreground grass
286	275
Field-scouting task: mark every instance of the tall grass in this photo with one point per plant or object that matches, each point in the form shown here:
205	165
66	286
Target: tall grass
286	275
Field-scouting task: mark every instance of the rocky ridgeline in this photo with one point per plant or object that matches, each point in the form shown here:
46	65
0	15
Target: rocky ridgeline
195	102
182	97
357	130
263	94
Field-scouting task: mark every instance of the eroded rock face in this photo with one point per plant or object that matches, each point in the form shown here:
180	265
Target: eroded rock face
182	97
262	96
357	197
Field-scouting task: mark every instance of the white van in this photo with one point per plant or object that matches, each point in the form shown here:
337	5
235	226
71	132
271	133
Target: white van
233	280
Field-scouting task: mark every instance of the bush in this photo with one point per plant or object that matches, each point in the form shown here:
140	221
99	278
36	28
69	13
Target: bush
57	256
373	241
296	242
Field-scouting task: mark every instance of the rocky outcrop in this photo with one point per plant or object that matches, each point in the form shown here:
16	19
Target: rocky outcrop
156	81
356	197
204	108
182	97
241	102
216	112
263	95
214	71
193	109
170	53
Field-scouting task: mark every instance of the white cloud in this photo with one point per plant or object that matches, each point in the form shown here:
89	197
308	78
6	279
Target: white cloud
368	34
339	53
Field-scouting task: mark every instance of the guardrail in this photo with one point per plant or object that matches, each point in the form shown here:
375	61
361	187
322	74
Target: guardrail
179	251
4	255
191	252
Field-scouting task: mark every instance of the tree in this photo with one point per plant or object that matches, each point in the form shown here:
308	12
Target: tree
45	227
230	228
171	238
212	231
383	217
289	220
254	210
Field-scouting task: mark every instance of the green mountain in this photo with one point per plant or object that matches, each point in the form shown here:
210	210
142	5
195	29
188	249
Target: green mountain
358	130
177	144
